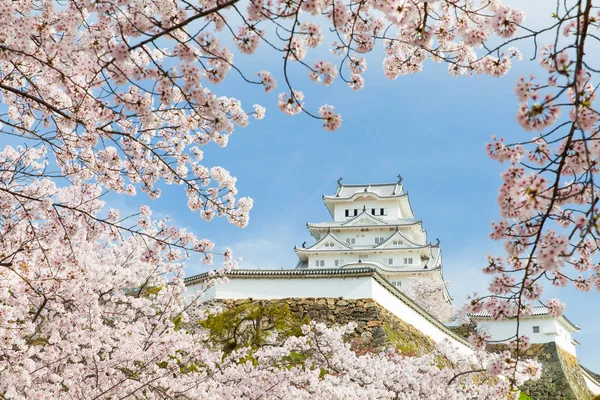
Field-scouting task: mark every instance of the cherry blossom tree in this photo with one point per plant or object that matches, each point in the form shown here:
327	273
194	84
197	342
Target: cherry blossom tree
429	294
115	97
334	371
549	196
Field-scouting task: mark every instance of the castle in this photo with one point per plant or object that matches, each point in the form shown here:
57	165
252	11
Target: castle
373	226
372	251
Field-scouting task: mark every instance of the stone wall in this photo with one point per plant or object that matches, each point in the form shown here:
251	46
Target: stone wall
376	327
561	375
572	371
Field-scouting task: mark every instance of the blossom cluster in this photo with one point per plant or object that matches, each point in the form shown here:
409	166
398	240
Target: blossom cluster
548	199
89	303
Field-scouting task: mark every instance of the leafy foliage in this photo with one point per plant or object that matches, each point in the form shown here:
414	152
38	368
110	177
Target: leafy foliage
524	396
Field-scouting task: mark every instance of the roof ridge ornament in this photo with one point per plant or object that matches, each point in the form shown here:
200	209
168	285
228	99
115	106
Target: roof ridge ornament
339	182
399	179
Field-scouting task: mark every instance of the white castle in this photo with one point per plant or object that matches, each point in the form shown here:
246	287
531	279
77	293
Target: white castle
373	226
373	247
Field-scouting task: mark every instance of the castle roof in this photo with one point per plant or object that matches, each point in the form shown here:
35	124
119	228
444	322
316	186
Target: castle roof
399	236
348	224
272	273
379	191
329	236
381	267
431	250
537	312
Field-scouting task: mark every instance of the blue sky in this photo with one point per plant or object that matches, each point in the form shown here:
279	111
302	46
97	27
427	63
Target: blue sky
430	128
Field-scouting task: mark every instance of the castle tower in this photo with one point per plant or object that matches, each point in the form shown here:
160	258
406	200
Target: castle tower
373	226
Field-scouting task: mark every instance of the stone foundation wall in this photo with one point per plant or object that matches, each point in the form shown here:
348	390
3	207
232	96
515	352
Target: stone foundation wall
561	375
572	371
376	327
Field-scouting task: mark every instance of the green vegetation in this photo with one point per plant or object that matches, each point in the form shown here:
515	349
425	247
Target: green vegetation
252	324
408	343
524	396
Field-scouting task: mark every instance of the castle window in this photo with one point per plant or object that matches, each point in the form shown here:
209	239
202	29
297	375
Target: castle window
382	211
328	244
379	240
373	211
347	213
350	241
536	329
397	284
408	260
355	212
338	263
390	261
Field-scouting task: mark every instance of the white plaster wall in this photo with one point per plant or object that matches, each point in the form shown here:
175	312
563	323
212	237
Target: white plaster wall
564	339
504	329
329	260
397	257
405	281
400	309
392	208
364	238
592	385
279	288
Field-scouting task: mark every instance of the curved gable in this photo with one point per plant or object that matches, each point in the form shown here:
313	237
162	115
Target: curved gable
398	239
364	219
329	242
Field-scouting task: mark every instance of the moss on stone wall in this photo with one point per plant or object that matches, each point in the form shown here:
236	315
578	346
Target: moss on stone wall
376	328
251	324
404	337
